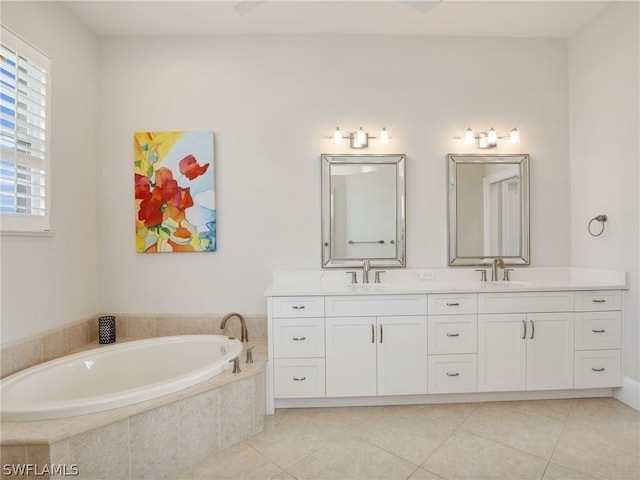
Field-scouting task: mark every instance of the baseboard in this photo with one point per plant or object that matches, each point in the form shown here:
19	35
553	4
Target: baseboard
629	393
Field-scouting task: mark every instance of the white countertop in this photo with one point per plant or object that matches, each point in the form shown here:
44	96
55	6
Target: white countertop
421	281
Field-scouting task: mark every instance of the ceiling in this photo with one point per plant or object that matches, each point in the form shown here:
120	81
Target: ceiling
506	18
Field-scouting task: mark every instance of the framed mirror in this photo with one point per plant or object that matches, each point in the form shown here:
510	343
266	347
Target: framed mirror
363	210
488	209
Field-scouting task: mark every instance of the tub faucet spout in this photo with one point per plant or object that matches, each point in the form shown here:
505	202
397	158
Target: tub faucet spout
244	334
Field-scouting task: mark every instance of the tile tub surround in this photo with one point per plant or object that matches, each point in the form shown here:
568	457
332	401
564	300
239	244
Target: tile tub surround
83	334
151	439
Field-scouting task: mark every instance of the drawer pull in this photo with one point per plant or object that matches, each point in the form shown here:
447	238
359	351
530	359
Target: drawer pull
299	379
453	334
599	369
598	300
298	307
453	304
299	339
598	330
454	374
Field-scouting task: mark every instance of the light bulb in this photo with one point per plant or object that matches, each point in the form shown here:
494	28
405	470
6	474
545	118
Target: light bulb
361	137
514	136
337	136
492	137
469	137
384	136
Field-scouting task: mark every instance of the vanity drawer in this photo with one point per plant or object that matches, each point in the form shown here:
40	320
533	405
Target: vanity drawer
453	373
375	305
597	368
452	304
298	337
453	334
598	300
598	330
291	307
299	378
525	302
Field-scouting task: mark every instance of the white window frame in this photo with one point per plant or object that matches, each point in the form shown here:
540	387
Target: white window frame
14	223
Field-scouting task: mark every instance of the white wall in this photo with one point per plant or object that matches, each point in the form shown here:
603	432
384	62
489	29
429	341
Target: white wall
604	104
51	281
271	101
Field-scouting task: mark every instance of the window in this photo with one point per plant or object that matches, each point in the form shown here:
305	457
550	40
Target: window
24	136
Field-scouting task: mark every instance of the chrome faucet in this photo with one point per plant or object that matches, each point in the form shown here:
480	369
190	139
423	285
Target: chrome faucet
244	334
497	262
366	268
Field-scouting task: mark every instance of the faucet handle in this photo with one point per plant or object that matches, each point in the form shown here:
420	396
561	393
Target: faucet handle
354	276
506	276
378	272
250	354
483	274
236	364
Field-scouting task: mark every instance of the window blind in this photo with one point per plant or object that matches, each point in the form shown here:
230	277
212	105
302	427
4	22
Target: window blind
24	136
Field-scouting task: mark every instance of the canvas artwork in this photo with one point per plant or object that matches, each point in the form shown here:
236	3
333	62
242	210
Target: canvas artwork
174	192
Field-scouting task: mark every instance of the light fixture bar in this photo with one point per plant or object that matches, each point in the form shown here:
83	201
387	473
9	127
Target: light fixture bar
489	139
360	138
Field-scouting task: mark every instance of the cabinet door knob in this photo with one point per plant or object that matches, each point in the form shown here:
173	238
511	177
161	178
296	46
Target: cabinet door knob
598	369
452	374
453	334
595	330
299	339
299	379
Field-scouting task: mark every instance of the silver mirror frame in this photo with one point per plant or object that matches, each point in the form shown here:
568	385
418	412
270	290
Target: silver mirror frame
453	161
398	160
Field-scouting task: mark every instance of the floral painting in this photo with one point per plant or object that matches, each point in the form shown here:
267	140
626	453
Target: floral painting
174	192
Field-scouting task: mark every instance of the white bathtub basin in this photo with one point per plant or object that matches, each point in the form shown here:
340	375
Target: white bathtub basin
114	375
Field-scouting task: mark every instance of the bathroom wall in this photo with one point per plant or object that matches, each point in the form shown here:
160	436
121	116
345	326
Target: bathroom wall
49	281
604	81
273	102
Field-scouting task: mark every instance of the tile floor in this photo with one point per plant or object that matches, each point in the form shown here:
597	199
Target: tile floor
547	439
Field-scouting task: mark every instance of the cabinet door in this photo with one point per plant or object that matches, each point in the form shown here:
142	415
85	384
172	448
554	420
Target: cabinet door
402	355
351	356
550	351
502	352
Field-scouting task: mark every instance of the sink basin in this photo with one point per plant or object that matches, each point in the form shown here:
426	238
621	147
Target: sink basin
509	283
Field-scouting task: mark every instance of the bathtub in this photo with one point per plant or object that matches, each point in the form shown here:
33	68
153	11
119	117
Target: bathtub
114	375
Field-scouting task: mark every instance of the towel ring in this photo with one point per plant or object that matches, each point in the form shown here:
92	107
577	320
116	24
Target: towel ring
601	219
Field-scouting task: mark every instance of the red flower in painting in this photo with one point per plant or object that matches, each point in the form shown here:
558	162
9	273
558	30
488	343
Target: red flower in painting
166	196
189	167
143	187
150	211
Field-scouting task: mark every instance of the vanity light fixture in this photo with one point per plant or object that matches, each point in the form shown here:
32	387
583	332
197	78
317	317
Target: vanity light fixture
489	139
360	138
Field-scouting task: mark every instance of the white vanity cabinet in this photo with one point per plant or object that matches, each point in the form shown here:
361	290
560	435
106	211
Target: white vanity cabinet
453	343
376	345
297	333
598	339
525	341
372	345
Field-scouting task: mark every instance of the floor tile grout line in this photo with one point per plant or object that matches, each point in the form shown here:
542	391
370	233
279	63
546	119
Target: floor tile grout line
553	451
